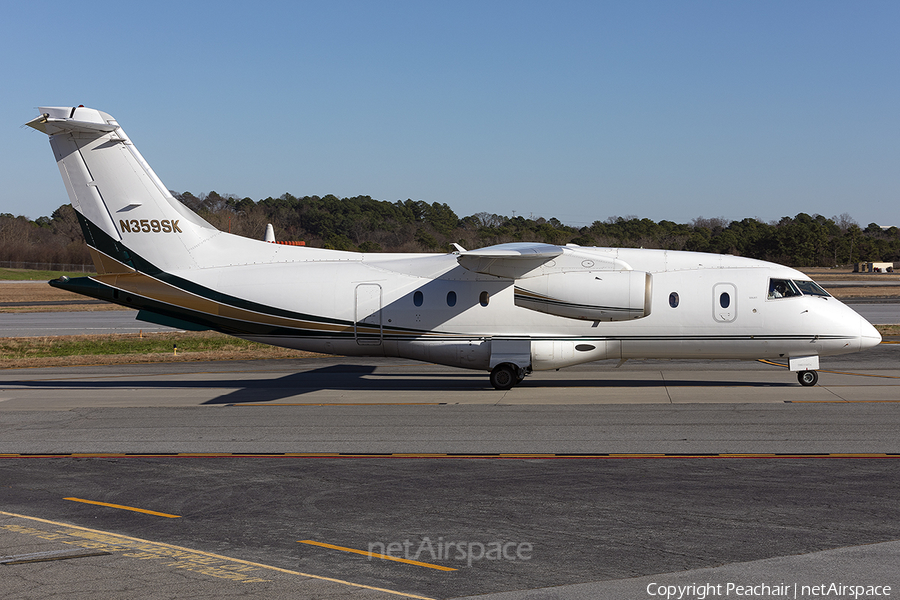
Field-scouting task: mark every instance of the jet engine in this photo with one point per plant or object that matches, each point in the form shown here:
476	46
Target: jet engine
587	295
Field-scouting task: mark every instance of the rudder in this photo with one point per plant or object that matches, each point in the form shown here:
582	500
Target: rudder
121	203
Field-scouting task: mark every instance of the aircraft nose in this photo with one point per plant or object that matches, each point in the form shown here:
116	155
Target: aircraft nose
868	335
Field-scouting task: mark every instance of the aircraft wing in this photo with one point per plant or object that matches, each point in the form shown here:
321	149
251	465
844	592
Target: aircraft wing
513	261
516	250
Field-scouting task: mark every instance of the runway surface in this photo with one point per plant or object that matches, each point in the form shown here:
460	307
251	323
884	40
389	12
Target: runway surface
386	406
267	478
878	313
893	281
74	323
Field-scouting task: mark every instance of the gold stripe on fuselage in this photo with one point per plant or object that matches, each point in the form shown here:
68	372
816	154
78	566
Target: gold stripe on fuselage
160	291
154	289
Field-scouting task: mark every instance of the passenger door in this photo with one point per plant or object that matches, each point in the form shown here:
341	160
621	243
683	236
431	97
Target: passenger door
367	326
724	302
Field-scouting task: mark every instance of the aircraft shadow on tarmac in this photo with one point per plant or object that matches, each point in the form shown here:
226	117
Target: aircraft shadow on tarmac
365	378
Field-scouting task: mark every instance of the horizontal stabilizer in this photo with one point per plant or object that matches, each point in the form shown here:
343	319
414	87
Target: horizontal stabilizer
55	120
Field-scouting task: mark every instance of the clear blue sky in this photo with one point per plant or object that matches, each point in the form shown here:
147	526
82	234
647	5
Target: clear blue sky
578	110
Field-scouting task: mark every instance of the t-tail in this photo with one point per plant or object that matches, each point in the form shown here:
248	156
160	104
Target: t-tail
150	251
130	220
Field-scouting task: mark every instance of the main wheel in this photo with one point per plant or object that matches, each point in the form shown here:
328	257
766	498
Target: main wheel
504	376
807	377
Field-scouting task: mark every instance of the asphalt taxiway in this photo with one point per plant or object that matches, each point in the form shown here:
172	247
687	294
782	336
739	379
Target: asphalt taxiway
332	404
268	478
575	528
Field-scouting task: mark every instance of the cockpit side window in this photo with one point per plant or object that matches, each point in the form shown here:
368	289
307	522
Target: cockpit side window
810	288
782	288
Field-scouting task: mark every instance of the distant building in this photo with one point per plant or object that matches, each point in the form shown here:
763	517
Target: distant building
874	267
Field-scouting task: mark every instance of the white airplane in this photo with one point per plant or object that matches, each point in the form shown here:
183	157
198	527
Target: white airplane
509	309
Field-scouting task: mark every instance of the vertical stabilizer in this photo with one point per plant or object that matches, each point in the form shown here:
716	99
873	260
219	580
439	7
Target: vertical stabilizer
124	208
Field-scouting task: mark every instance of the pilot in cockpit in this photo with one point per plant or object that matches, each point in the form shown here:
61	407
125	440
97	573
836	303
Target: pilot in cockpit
778	289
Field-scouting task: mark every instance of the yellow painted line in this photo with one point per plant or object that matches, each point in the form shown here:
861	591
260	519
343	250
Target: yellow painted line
641	455
140	510
846	402
525	455
202	454
487	456
373	554
422	455
769	362
859	374
216	556
337	404
68	455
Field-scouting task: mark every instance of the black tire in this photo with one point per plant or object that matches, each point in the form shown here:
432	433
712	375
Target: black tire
807	377
504	376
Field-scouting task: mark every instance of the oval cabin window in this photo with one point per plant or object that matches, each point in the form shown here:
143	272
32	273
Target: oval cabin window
673	299
724	300
418	298
451	298
484	298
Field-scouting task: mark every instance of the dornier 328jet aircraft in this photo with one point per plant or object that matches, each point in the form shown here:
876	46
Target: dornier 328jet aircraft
508	309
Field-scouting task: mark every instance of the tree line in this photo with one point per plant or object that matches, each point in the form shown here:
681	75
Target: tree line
364	224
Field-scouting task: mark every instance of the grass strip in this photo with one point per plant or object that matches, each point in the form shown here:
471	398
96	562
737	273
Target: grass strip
30	274
133	348
888	330
80	345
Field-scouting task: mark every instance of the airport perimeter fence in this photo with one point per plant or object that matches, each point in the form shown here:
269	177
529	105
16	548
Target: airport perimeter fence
69	268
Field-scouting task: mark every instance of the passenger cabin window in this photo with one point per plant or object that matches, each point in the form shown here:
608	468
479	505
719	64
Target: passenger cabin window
724	300
451	298
484	298
418	298
673	299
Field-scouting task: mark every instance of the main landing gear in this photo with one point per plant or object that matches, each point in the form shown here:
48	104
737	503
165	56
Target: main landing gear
807	377
506	375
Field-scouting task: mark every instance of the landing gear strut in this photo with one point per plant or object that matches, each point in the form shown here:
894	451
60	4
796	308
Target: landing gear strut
506	375
807	377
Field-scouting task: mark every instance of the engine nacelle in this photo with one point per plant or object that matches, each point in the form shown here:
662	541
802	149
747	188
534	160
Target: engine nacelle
588	295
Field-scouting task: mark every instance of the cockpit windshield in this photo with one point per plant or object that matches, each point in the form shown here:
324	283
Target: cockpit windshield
787	288
810	288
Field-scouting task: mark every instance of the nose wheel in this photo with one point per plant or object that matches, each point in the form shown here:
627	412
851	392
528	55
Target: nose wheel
807	377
